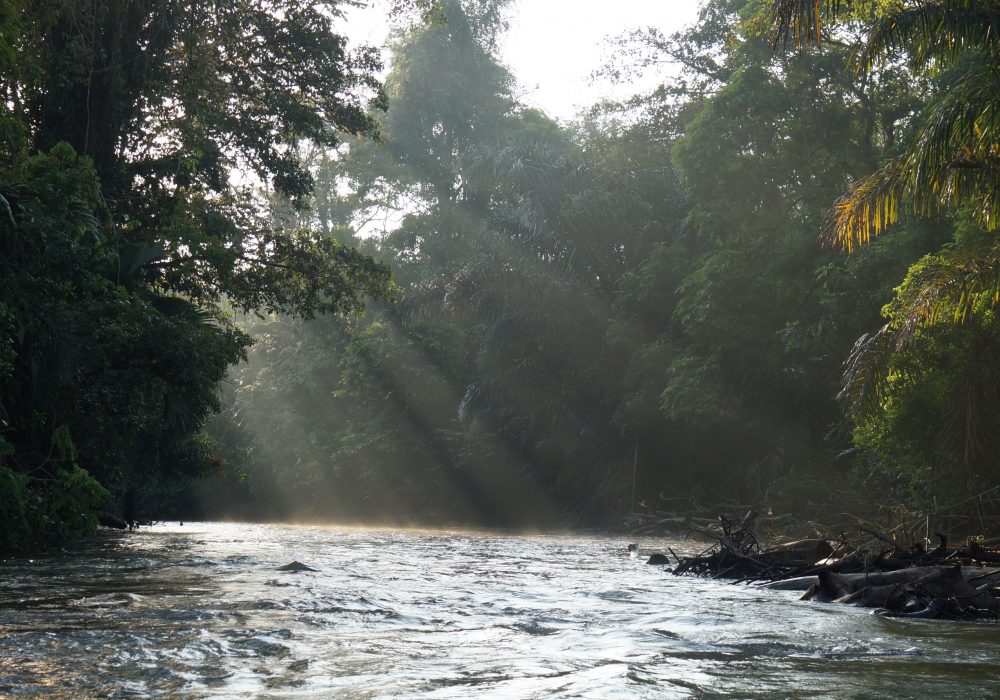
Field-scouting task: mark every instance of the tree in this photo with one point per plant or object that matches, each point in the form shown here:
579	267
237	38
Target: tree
139	135
949	164
917	368
168	99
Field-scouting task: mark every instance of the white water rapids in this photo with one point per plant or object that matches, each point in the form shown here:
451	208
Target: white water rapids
200	611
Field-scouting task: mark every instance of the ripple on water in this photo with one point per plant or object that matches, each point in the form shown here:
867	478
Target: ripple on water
199	612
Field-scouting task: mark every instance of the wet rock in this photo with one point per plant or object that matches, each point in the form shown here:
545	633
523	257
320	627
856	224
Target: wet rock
534	629
261	647
295	566
108	600
658	559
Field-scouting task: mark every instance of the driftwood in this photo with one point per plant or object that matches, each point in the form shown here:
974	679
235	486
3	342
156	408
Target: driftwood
924	591
945	582
106	519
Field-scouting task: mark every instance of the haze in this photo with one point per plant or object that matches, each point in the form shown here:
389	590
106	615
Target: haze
554	46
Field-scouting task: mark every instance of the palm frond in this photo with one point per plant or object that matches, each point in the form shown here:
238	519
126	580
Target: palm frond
948	288
933	30
173	306
940	289
867	370
954	163
132	256
801	19
7	210
956	158
870	206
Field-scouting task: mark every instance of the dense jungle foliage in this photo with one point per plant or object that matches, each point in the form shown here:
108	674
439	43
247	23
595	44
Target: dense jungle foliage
129	129
685	292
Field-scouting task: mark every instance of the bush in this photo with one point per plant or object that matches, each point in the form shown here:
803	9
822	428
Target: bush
44	512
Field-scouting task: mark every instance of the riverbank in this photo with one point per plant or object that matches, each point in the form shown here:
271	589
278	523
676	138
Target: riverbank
956	582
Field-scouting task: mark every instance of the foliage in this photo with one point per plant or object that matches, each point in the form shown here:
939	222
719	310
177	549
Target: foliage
636	303
921	387
576	301
43	509
950	163
127	236
937	419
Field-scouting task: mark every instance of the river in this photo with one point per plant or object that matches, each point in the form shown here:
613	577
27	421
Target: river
199	611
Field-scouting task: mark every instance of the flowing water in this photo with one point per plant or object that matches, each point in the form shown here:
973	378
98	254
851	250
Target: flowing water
200	611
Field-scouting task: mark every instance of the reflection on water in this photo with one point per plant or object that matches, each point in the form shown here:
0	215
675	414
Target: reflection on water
199	611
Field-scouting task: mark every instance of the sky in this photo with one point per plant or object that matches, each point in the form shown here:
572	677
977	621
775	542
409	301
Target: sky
554	46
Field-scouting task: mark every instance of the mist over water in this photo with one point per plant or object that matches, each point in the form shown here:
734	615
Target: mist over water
200	611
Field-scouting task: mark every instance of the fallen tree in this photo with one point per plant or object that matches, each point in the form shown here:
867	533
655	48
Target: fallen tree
946	582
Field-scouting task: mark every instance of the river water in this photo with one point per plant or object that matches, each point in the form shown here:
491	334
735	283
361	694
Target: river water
199	611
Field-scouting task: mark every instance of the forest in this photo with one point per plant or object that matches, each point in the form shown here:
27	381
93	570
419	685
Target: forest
251	271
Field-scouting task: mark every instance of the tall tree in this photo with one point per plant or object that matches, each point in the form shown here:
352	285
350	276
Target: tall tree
137	135
947	166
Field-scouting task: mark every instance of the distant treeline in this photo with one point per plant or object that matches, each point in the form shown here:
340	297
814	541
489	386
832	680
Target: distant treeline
663	289
685	292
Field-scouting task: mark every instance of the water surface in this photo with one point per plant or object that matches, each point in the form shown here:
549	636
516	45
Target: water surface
199	611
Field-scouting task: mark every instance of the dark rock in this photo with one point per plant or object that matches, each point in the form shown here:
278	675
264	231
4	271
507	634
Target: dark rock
658	559
295	566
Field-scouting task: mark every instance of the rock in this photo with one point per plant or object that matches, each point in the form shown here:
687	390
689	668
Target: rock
295	566
658	559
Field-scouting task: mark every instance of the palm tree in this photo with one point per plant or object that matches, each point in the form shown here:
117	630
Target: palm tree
954	161
952	164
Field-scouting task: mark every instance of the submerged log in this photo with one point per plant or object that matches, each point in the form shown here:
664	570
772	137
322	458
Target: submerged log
799	583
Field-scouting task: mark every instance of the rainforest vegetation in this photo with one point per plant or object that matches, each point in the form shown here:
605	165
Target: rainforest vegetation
246	273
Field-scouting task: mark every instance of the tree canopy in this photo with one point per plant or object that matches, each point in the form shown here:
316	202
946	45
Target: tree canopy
139	137
771	278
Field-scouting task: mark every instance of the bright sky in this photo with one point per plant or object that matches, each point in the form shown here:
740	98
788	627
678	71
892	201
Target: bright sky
554	45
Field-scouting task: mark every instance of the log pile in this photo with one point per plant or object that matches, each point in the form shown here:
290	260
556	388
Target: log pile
933	592
945	582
